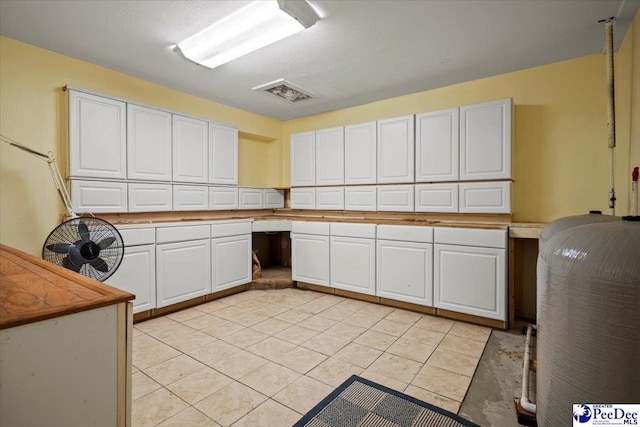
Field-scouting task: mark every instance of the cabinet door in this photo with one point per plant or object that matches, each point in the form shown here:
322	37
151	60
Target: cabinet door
303	159
330	198
361	198
98	196
485	197
395	150
273	198
437	146
330	156
485	141
150	197
353	264
223	164
190	198
396	198
190	149
470	280
405	271
148	143
137	274
303	198
231	261
250	198
360	153
183	271
97	137
221	198
436	198
310	258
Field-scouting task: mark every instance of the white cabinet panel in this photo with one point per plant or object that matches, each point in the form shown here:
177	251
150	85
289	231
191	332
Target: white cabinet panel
98	196
250	198
353	264
485	141
273	198
344	229
330	198
396	150
150	197
190	149
303	198
182	233
437	146
222	198
396	198
138	236
471	237
190	198
404	271
231	257
309	227
360	154
137	274
310	258
436	198
223	162
330	156
361	198
485	197
303	159
233	228
183	271
148	143
97	137
479	288
405	233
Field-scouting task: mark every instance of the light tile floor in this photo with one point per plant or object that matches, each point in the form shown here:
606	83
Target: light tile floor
264	358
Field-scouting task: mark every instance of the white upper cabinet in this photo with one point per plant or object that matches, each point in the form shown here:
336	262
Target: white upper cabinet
148	143
485	141
360	153
330	156
396	150
97	137
437	146
303	159
190	149
223	164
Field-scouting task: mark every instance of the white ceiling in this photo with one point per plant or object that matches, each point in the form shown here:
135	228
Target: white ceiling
361	51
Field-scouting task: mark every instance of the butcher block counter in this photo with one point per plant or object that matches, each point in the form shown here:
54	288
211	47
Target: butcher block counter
65	346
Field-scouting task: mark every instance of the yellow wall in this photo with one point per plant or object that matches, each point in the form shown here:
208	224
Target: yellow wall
33	112
560	155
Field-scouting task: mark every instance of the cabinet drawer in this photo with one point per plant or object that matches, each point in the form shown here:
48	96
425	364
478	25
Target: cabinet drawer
138	236
436	198
405	233
361	198
303	227
150	197
330	198
485	197
250	198
471	237
230	229
190	198
396	198
303	198
367	231
179	234
221	198
98	196
273	198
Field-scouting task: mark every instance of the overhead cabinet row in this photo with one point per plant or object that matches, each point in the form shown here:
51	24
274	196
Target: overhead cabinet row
113	139
460	144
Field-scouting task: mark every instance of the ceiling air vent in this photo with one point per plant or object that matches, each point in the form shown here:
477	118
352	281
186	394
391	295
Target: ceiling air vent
285	90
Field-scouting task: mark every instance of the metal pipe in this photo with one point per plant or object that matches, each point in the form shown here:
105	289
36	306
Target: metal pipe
611	112
524	399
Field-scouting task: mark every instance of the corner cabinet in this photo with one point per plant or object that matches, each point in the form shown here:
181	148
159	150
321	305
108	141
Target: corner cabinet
97	136
190	150
223	161
310	252
396	150
303	159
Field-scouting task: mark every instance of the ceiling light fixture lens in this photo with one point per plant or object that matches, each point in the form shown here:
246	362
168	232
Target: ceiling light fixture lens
253	27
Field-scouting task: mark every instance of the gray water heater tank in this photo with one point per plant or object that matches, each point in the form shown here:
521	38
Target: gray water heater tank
588	338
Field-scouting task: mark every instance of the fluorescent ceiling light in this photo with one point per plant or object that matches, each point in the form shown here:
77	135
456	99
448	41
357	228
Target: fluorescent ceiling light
255	26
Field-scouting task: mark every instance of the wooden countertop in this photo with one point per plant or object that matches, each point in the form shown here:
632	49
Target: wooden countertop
32	289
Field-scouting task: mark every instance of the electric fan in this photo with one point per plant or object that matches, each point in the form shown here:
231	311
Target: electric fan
87	245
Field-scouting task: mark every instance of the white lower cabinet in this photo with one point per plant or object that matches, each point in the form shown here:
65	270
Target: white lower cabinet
230	255
137	274
353	257
404	263
470	271
310	252
183	271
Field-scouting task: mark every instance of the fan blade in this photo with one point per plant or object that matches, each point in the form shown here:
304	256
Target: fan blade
100	265
66	263
106	242
60	248
83	230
